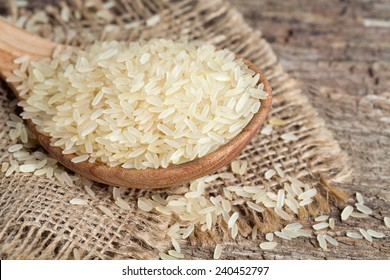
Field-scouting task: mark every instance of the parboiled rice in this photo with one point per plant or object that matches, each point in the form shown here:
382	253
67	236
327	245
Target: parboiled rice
346	212
375	234
386	220
268	245
366	235
138	85
217	252
354	235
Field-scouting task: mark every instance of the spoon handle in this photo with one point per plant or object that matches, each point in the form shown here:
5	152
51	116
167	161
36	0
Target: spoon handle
16	42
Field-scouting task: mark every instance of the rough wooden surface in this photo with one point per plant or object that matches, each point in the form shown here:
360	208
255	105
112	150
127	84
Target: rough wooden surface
340	51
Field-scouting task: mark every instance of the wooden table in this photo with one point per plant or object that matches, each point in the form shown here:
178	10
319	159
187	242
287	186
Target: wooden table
340	51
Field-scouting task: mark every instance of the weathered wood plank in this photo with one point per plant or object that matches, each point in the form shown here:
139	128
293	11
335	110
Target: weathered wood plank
340	50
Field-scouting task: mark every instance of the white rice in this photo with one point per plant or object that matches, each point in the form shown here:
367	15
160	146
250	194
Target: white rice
293	226
321	218
106	211
234	231
268	245
283	235
359	215
289	137
176	245
375	234
359	198
235	165
305	202
346	212
331	240
308	194
122	204
153	20
188	231
363	208
176	254
233	220
269	236
4	166
117	119
303	232
89	191
354	235
255	207
283	214
269	174
322	242
320	226
27	168
280	199
144	204
386	220
78	201
80	158
266	130
332	223
254	233
366	235
67	179
217	252
15	148
279	170
243	167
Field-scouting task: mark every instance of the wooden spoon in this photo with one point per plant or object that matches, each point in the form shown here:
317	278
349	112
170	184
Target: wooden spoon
15	42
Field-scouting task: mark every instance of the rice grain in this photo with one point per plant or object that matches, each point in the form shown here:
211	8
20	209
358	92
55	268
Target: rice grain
268	245
106	211
366	235
322	242
386	220
217	252
346	212
78	201
354	235
375	234
363	208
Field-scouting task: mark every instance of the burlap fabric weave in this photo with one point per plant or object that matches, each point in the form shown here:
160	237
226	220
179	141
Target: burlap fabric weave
36	219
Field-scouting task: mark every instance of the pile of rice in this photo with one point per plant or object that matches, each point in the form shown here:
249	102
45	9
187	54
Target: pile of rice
139	105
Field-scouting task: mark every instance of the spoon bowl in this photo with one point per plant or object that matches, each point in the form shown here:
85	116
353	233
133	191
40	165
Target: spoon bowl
15	42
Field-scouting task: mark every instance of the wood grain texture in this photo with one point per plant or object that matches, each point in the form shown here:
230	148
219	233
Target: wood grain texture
15	42
340	51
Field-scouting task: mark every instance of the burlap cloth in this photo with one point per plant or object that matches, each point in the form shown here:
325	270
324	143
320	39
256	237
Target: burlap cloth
36	219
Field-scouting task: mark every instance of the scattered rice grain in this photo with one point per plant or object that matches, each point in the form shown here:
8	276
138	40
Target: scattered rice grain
365	234
269	236
354	235
78	201
217	252
375	234
320	226
363	208
346	212
269	174
268	245
106	211
331	240
322	241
